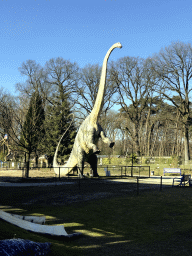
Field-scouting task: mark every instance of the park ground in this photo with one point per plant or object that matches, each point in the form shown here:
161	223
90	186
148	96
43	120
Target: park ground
112	217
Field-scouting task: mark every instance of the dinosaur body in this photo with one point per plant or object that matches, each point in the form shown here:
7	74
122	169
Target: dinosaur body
85	145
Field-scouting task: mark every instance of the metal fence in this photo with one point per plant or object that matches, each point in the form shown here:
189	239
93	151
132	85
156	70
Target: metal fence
17	170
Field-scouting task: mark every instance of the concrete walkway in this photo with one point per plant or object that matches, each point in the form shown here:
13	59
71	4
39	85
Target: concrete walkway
9	184
153	180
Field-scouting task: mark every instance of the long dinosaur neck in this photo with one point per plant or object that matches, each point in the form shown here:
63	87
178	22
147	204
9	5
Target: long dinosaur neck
99	100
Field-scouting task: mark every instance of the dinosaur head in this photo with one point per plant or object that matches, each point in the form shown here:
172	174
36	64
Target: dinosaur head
118	45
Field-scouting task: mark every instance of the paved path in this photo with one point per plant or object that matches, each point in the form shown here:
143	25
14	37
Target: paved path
154	180
9	184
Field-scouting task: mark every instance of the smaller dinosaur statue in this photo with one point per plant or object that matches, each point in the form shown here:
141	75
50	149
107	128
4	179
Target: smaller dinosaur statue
85	145
11	153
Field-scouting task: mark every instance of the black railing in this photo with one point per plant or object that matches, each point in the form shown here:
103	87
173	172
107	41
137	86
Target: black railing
103	171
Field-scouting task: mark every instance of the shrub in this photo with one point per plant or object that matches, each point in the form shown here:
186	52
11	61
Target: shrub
147	161
133	158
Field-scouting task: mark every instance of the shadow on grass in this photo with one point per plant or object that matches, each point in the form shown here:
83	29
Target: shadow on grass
153	223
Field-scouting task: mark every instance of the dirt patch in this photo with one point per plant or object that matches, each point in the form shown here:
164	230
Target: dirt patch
33	173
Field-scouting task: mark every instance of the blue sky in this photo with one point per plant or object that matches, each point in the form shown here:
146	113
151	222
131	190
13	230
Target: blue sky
83	30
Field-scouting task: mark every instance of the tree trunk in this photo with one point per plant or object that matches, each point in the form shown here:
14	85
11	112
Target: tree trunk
153	146
26	167
147	134
179	144
36	160
136	140
174	149
186	144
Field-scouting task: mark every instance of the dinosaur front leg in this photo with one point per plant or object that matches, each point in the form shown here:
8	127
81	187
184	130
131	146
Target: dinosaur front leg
87	146
106	140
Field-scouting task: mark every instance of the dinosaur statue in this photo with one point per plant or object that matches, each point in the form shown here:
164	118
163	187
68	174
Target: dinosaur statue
85	145
11	154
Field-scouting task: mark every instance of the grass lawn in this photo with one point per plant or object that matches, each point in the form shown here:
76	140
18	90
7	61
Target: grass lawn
115	170
153	223
49	172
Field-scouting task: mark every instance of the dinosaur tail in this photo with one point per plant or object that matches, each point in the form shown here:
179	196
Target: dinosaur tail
61	169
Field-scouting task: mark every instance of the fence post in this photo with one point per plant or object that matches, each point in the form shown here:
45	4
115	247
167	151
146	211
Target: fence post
121	171
149	172
137	186
79	178
161	184
59	173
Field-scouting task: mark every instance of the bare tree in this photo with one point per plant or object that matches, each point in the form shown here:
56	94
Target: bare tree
133	87
88	87
35	78
11	118
62	77
173	69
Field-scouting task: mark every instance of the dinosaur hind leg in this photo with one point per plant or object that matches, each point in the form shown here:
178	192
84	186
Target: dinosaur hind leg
93	162
80	165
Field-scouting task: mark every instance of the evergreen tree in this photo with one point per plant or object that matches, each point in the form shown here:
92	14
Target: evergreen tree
57	121
33	128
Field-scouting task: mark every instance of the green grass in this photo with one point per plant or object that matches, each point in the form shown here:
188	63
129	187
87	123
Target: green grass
154	223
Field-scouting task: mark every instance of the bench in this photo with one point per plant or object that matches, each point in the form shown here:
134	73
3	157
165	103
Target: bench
185	179
172	170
